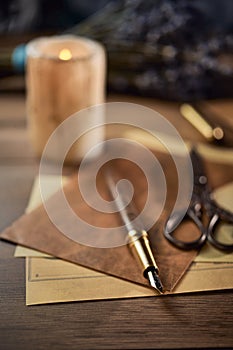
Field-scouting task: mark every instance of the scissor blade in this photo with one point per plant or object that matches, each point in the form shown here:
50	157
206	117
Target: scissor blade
200	178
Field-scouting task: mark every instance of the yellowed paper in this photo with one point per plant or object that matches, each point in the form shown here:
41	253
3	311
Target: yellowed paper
210	152
205	277
51	183
224	196
23	252
50	280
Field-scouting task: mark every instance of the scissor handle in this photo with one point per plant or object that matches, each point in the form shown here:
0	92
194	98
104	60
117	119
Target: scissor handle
215	220
169	231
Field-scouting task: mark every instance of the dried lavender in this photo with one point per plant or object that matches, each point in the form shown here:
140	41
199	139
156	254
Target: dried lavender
166	49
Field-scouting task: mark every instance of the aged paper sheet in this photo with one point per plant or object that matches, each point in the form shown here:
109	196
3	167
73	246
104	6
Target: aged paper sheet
50	280
224	196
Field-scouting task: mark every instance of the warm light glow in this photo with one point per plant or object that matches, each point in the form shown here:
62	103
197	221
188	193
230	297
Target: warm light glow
65	55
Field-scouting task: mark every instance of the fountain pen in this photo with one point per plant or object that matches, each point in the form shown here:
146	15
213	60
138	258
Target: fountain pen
137	237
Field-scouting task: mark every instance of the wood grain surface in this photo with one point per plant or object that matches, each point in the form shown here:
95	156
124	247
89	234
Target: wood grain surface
198	320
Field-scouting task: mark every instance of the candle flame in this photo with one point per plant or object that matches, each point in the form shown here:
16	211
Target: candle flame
65	55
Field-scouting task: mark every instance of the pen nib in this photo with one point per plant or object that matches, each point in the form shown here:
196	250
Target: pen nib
155	281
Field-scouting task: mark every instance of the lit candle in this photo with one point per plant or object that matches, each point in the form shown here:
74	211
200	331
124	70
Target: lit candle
64	75
65	55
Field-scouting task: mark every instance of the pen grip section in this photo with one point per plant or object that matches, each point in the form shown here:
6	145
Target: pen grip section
140	247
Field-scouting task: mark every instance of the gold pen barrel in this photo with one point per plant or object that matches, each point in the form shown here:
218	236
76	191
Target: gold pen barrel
137	237
140	246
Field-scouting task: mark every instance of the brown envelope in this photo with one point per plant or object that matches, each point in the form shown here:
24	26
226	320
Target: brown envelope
35	230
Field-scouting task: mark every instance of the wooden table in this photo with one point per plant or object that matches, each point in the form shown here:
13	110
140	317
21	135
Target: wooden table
198	320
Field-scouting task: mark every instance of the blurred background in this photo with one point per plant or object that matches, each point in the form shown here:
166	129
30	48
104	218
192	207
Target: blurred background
177	50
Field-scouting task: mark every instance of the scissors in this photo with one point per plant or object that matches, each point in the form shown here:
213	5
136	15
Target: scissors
201	203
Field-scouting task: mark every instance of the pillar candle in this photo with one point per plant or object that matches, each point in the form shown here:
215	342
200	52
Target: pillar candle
65	74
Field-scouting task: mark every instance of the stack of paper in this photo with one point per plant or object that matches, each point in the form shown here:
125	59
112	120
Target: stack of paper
50	280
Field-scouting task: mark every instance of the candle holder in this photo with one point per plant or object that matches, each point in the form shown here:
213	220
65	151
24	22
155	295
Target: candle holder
65	74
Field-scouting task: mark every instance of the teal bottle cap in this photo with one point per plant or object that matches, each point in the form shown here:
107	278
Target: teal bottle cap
18	58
